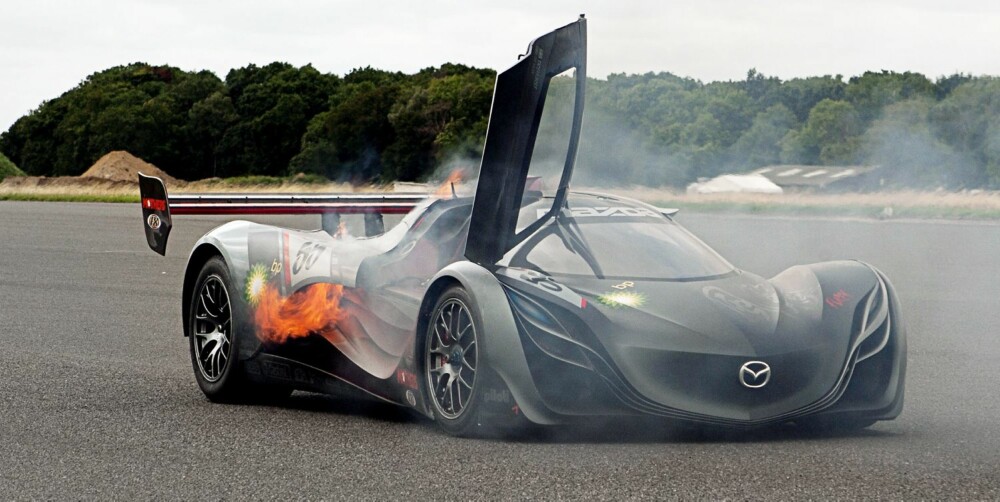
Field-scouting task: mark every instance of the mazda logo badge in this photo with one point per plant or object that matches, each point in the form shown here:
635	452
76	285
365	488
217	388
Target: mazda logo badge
755	374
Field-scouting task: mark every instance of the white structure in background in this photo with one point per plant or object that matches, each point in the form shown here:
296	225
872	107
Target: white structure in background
799	177
735	183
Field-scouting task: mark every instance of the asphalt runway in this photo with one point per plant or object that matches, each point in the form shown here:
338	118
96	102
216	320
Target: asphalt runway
98	400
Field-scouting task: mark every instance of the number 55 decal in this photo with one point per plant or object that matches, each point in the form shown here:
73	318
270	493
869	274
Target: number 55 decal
307	256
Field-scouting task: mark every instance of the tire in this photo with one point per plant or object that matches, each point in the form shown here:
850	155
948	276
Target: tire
454	373
215	318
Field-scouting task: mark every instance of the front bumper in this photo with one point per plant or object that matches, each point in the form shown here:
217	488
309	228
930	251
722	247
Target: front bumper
575	377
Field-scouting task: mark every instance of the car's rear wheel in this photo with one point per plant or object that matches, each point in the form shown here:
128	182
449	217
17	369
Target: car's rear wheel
453	363
214	316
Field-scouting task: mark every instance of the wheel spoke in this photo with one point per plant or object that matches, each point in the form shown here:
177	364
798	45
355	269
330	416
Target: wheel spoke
204	305
210	294
462	332
453	321
451	393
437	333
465	361
462	381
465	356
443	389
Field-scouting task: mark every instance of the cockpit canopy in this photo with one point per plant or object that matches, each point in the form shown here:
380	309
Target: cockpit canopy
609	238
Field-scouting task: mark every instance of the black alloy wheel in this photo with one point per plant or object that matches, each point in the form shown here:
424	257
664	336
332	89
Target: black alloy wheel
214	315
452	358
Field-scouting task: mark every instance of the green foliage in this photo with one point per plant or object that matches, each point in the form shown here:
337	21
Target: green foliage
138	107
7	168
968	120
902	143
872	91
945	85
346	141
445	117
800	95
389	126
761	143
273	106
830	135
374	125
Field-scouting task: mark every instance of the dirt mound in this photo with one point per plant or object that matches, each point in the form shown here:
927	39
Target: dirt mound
123	166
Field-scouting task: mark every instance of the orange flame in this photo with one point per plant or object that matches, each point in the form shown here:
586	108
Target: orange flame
313	309
341	231
445	190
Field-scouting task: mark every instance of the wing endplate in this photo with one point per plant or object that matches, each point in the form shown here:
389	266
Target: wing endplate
155	212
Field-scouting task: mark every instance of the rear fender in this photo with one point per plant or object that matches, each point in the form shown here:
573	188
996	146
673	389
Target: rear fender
229	242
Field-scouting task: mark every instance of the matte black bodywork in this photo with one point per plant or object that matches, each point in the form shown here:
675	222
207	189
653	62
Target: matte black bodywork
590	304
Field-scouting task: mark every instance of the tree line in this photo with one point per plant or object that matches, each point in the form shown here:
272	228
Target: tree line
376	125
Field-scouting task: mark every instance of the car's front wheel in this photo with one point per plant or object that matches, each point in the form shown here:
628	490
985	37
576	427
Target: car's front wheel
453	362
214	330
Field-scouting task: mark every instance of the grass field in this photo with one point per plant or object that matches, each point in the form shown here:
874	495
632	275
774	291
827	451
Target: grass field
97	190
897	204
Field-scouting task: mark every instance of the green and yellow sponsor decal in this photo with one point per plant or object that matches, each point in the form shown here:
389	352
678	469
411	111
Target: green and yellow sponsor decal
256	280
622	299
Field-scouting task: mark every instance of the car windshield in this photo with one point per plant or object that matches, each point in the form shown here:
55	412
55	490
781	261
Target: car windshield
639	248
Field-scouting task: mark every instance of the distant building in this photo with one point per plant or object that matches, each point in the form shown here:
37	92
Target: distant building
832	178
735	183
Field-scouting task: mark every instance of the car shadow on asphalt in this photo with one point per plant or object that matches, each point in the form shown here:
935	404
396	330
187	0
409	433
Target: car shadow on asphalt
644	431
594	431
351	405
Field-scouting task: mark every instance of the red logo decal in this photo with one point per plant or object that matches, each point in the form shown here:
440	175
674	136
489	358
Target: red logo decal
838	299
154	204
406	379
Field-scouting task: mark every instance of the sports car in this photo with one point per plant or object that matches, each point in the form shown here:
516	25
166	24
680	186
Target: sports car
514	305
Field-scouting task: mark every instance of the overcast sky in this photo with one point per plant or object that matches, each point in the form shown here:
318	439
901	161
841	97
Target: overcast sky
49	46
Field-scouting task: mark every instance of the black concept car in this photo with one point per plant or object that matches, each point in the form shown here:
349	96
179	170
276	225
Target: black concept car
514	305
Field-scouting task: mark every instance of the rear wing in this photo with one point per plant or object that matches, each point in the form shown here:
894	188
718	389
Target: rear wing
158	208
